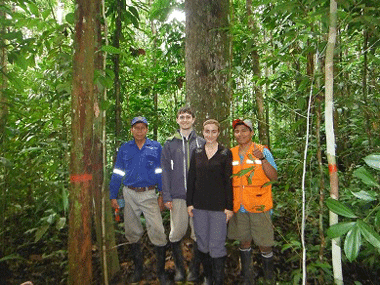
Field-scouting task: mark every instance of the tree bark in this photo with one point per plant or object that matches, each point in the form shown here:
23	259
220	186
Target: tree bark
330	138
82	148
207	62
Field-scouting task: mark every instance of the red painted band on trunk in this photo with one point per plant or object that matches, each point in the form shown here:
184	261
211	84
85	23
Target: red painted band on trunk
333	168
81	178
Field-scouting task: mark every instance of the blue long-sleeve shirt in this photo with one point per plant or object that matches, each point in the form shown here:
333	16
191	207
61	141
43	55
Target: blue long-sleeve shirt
137	167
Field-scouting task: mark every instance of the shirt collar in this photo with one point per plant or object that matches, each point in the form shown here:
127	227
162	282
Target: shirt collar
147	142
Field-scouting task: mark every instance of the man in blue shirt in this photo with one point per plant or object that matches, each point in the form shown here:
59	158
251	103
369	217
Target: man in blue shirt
137	167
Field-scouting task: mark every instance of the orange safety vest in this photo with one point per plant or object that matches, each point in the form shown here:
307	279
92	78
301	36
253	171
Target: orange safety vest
248	189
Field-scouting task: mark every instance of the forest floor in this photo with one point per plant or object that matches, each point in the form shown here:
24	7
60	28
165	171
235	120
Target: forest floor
283	268
46	263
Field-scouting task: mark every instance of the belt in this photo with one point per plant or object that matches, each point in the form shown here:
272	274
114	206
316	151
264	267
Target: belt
142	189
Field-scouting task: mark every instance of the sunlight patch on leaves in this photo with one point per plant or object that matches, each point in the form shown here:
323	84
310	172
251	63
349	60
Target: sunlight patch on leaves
40	232
11	257
373	161
352	243
364	195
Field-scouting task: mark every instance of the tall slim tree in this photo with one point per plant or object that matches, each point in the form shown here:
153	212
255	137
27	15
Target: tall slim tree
258	92
207	61
3	120
3	78
120	6
82	149
154	83
105	234
330	137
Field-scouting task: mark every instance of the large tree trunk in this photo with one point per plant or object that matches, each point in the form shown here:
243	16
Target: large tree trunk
208	62
82	149
330	138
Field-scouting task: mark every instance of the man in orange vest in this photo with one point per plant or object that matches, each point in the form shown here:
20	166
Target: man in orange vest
253	168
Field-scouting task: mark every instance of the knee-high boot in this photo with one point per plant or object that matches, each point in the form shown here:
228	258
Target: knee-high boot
161	257
180	273
137	257
195	263
246	267
218	270
207	267
268	266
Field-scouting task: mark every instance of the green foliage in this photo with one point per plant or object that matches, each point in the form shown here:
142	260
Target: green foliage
340	229
340	209
35	146
363	226
373	160
366	177
161	9
51	219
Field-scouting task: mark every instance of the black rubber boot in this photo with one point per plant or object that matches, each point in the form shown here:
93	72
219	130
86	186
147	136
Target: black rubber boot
161	257
207	267
268	266
218	270
180	273
137	257
246	267
195	263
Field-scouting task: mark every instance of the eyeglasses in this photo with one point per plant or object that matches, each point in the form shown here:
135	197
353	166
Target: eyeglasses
185	117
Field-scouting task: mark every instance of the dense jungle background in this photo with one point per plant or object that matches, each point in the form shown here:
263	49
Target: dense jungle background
74	73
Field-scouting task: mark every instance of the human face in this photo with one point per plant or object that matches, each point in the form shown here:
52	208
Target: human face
185	121
139	131
243	134
210	133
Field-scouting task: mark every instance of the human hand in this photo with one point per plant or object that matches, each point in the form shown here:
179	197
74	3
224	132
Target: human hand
160	201
190	211
229	214
257	153
114	204
169	205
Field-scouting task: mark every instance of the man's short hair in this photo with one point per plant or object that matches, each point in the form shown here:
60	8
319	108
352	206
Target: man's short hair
185	109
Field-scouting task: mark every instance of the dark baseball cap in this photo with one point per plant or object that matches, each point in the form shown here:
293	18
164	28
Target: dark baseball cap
139	119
